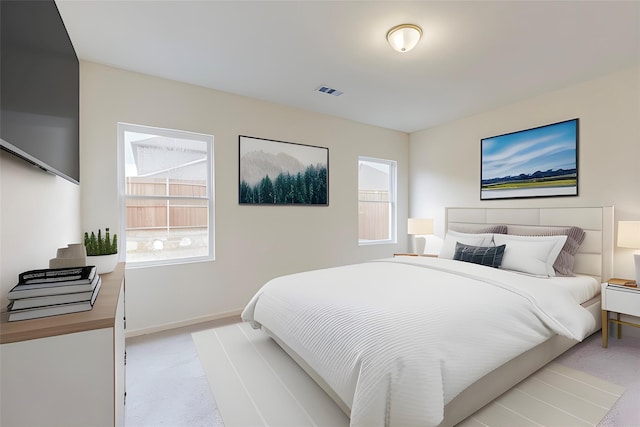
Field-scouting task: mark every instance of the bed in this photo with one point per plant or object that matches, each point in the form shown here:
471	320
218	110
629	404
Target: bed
427	341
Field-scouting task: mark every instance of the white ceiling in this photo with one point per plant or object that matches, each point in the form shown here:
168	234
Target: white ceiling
474	55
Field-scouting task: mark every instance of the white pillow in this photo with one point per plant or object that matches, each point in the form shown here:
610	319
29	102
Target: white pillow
530	254
448	249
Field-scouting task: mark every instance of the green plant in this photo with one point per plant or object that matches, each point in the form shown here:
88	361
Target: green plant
99	245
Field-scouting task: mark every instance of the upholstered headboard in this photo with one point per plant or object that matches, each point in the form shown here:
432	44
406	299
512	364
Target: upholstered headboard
595	255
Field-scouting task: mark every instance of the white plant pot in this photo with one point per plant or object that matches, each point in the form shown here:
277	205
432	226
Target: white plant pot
103	263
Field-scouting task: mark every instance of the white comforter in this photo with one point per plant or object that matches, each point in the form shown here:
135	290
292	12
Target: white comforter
397	339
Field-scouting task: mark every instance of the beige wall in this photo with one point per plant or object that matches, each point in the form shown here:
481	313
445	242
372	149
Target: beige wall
39	212
445	160
253	243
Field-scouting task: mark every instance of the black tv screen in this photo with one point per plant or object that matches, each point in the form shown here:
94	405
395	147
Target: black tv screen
39	93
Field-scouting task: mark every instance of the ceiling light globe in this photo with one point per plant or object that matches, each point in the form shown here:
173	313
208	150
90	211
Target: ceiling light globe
404	37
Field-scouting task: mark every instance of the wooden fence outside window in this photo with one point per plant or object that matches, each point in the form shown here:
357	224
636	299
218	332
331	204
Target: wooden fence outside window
373	215
172	204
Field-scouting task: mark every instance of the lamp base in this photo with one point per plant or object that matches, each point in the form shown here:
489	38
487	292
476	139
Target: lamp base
418	244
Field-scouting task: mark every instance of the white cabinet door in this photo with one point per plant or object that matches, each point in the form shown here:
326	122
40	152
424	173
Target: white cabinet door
65	380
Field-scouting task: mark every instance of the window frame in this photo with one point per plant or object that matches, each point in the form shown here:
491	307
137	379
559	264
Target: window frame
393	201
122	196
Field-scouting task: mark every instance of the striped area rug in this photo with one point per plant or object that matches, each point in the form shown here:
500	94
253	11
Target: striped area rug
555	396
255	383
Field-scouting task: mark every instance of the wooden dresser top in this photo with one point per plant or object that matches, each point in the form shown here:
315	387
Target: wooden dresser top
101	316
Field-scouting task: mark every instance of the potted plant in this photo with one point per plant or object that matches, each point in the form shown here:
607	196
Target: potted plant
101	251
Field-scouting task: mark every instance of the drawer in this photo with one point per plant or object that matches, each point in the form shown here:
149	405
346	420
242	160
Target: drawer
622	301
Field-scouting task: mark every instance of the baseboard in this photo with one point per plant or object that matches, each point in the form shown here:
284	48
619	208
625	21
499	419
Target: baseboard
130	333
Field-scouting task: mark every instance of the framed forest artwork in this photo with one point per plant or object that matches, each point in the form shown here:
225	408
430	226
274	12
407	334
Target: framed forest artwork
282	173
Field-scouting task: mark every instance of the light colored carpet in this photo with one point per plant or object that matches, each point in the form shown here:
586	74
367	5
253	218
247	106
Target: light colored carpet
255	383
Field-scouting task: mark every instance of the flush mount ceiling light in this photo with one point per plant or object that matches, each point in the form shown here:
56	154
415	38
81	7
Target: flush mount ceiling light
404	37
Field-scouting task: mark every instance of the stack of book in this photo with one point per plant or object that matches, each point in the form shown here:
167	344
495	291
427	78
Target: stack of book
42	293
625	283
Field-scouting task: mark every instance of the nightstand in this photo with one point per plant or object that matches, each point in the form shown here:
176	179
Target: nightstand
620	300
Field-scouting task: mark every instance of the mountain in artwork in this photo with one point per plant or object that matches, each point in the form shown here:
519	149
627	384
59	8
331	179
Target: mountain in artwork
258	164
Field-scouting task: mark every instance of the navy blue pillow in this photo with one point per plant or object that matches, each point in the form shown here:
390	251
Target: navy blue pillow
490	256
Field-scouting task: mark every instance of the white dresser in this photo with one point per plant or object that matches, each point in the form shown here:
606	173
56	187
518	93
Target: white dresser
66	370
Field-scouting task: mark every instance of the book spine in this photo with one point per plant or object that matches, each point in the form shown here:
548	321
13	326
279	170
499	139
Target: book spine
20	291
56	274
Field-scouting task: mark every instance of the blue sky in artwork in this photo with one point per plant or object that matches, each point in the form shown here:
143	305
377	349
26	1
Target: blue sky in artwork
540	149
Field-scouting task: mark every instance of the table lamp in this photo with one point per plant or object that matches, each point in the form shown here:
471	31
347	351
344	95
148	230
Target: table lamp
419	227
629	237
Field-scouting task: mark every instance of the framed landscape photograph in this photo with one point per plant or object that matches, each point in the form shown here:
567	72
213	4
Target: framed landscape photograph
282	173
537	162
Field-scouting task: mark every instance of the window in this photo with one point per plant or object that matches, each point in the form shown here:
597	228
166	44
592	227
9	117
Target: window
376	201
166	183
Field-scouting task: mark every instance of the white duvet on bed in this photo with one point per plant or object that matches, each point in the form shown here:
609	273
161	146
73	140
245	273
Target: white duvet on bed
399	338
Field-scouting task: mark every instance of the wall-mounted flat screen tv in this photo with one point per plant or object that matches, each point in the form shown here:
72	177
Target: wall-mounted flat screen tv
39	79
537	162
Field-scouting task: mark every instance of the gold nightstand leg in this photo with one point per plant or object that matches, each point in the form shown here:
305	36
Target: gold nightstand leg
605	328
619	334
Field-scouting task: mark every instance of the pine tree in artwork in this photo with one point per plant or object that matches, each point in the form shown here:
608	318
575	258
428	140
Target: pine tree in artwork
308	187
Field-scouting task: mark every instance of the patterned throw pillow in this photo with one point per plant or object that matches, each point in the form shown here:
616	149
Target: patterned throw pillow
490	256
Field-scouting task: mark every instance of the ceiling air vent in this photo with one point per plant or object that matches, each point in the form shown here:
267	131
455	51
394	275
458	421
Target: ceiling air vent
328	90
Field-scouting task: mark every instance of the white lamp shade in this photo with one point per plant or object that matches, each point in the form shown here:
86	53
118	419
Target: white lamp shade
629	234
404	37
420	226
